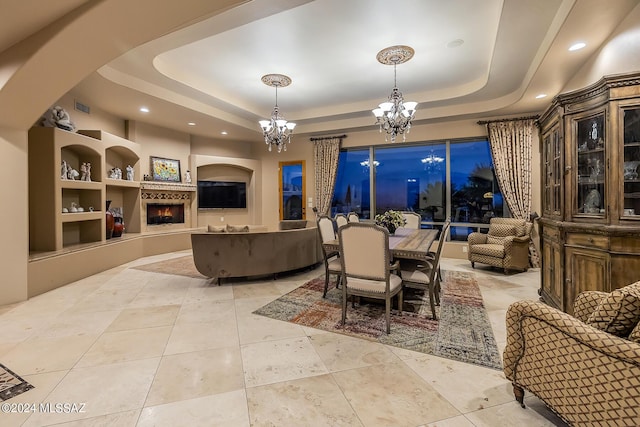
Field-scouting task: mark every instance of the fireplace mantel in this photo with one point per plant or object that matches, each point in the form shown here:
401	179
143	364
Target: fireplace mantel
167	186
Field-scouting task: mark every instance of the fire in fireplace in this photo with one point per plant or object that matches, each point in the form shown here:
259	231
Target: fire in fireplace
165	214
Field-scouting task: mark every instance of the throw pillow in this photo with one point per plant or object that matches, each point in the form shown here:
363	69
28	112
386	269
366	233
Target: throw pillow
619	312
501	230
635	334
237	228
492	240
214	229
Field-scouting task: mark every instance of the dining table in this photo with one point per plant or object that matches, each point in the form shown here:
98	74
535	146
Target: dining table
406	243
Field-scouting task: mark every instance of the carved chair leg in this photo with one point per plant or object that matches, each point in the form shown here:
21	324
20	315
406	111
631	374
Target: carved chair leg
518	392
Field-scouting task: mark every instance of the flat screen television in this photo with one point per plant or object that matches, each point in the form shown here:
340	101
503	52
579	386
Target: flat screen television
222	194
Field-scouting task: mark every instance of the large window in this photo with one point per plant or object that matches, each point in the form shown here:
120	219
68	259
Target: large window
438	180
353	190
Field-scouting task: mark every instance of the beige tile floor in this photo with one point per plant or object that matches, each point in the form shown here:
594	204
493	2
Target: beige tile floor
145	349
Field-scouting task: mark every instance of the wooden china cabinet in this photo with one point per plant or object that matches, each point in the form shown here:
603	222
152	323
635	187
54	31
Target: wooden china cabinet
590	225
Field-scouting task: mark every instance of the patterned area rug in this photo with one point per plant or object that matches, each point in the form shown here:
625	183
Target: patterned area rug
182	266
463	331
11	384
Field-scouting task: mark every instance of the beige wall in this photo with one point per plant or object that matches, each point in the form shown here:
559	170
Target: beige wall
222	147
95	120
14	244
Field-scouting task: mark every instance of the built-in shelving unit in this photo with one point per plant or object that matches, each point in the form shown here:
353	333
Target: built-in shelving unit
66	212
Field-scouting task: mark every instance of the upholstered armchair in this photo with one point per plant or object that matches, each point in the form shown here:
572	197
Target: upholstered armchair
506	245
585	367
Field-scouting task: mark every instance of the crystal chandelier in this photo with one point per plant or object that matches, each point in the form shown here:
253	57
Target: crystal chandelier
395	115
277	131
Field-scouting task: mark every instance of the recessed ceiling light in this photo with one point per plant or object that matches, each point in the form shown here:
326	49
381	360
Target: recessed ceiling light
577	46
455	43
191	124
224	132
542	95
144	109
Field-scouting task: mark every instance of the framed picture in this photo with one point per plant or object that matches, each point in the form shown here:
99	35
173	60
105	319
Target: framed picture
165	169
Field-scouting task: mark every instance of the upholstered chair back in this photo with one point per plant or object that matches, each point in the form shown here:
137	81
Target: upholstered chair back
503	227
365	250
341	219
413	220
326	228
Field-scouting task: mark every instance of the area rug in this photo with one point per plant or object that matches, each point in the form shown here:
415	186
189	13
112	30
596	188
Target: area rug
11	384
182	266
462	331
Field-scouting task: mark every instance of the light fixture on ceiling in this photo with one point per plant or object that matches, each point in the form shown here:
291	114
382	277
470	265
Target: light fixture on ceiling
395	115
277	131
577	46
144	109
540	96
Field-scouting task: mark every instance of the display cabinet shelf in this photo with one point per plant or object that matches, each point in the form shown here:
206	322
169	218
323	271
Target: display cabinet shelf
122	183
82	216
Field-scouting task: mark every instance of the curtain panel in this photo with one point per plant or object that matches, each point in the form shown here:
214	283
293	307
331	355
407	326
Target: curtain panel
510	143
326	153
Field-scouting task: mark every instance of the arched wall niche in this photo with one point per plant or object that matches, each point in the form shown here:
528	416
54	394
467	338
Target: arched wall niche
229	169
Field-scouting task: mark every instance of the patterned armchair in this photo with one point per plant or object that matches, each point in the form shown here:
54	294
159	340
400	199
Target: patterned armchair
586	367
506	245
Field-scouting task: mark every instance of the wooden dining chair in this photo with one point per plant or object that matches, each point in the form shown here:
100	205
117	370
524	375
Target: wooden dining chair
332	264
366	266
443	237
340	219
423	274
413	219
353	217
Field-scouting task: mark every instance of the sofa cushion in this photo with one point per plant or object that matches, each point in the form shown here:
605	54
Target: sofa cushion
635	334
216	229
237	228
619	312
293	224
501	230
496	251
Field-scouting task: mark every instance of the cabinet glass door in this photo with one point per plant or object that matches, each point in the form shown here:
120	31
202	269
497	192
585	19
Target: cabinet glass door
552	179
631	163
591	166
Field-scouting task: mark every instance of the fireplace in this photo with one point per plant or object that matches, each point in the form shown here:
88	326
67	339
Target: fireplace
166	206
165	213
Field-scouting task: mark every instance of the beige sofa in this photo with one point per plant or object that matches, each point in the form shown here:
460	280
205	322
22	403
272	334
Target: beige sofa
585	368
255	253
